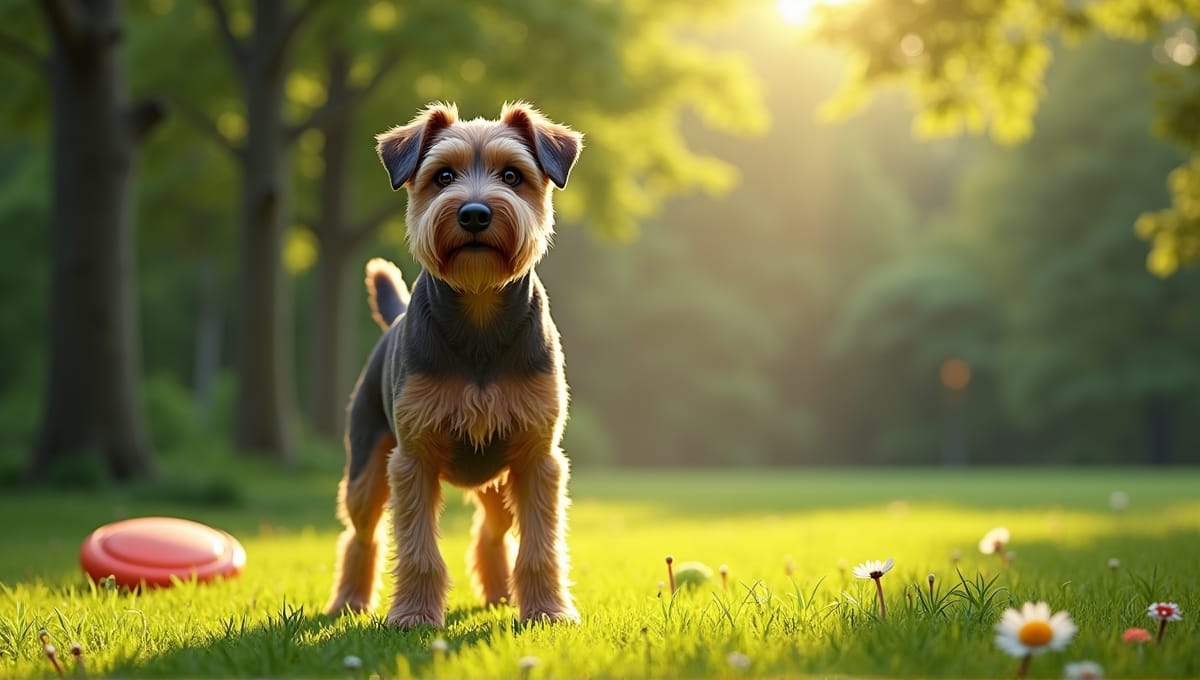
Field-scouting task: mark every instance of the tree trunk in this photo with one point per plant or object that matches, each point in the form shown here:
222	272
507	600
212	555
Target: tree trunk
332	379
208	338
262	405
92	398
1159	426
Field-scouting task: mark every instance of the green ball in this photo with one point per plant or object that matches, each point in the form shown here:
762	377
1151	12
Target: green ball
692	575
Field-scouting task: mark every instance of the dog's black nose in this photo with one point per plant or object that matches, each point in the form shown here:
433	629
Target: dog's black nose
474	217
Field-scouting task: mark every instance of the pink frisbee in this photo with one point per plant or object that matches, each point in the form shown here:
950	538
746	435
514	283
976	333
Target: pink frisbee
150	550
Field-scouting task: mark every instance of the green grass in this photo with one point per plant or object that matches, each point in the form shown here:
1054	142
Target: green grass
818	621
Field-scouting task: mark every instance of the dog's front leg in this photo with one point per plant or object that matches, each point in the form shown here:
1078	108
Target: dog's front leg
421	579
539	498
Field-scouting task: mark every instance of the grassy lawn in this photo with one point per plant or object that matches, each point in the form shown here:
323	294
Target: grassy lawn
819	620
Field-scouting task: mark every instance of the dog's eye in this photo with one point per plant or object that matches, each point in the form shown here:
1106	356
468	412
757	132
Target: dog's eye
444	178
510	176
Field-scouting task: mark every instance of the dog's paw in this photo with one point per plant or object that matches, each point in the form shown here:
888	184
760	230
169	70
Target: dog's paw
407	620
551	613
348	605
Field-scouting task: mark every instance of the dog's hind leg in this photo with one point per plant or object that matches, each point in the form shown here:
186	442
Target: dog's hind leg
362	495
489	559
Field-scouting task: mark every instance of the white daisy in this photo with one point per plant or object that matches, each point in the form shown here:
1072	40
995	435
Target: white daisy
439	645
1114	563
994	541
1164	611
1083	670
738	660
1118	500
352	663
1033	630
527	662
873	568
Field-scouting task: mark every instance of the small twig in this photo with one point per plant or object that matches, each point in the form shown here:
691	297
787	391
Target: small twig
203	124
1024	668
350	98
77	652
360	231
292	26
144	116
52	655
237	50
882	606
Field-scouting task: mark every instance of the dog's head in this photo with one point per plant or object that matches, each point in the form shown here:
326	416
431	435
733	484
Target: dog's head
479	208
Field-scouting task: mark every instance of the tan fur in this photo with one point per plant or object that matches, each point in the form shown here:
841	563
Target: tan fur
522	217
489	559
381	267
420	574
538	495
522	417
463	408
481	307
360	504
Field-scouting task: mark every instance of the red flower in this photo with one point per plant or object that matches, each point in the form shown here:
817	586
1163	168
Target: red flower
1164	611
1136	636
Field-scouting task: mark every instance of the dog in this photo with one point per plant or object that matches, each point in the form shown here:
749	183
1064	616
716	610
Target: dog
466	384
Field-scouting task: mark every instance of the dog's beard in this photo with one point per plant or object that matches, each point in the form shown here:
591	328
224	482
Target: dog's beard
505	251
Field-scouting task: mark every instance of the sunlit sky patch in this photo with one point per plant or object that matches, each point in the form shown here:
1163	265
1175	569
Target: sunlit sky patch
800	12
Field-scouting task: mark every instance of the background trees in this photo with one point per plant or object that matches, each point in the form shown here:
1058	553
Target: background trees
736	280
92	380
971	67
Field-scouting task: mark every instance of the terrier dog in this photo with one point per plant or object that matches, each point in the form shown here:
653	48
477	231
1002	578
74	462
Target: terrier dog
466	385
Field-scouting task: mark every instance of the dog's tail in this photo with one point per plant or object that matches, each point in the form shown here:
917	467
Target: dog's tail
386	292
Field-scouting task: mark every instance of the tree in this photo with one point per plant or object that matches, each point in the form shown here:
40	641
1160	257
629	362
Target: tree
706	341
263	401
338	237
91	402
621	54
335	93
1095	356
309	100
975	66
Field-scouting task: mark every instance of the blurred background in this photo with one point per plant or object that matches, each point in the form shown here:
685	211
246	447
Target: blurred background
804	232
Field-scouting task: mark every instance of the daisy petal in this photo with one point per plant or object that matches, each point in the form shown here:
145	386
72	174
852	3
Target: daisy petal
1011	619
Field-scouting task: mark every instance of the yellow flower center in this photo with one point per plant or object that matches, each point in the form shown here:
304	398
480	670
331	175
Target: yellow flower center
1035	634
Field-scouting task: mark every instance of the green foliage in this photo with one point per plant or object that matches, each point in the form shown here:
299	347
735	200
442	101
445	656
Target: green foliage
971	66
172	415
921	311
1174	233
1087	333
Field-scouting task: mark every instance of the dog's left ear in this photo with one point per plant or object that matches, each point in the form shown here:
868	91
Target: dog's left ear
403	147
555	147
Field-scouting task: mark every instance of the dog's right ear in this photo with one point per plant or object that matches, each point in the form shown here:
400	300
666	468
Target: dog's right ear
403	147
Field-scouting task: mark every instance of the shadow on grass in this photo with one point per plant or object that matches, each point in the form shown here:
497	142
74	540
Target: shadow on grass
296	642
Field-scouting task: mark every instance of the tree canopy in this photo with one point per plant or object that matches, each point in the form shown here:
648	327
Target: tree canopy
981	66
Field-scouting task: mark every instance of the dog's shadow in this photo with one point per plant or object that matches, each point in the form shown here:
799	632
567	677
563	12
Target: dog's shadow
298	643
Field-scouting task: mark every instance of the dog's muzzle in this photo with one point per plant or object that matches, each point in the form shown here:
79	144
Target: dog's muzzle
474	217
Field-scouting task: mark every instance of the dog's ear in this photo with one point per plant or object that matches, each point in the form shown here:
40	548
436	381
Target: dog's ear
555	147
403	147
